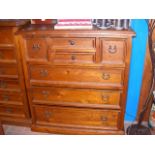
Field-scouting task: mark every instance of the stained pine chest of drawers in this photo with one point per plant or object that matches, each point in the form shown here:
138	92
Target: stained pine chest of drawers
14	107
76	79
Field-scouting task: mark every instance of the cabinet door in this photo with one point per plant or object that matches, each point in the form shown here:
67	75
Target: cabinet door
113	51
36	49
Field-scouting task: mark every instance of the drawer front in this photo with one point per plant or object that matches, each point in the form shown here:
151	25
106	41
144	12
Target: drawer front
76	96
76	117
113	51
6	35
12	111
77	76
73	58
73	43
10	97
36	49
7	55
9	71
9	85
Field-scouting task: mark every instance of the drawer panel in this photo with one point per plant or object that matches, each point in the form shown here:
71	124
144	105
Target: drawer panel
76	96
36	49
73	58
76	117
56	75
9	85
113	51
8	97
9	71
7	55
13	111
73	43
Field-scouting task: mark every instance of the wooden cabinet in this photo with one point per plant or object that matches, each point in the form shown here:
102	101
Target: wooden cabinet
14	107
76	79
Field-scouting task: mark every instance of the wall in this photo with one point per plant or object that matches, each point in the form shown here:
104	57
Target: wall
136	68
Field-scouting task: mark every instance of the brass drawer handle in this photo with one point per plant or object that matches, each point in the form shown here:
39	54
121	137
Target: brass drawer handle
36	47
105	98
48	114
45	93
106	76
3	84
6	98
44	72
112	49
73	57
104	119
9	110
1	55
71	42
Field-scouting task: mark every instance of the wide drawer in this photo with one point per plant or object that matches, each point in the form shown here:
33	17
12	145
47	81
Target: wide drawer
10	97
76	97
73	43
7	55
76	117
12	111
10	71
11	85
77	76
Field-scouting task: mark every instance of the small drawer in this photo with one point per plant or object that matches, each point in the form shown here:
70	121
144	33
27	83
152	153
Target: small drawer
12	111
9	97
7	55
76	97
9	85
73	58
113	51
6	35
36	49
9	71
73	43
77	76
76	117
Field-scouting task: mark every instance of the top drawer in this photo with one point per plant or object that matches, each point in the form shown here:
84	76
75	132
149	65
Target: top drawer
86	44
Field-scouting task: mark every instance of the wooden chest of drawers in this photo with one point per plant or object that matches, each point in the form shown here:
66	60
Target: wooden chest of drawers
76	79
14	107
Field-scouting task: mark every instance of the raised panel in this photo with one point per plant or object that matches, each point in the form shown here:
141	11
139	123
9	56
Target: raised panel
113	51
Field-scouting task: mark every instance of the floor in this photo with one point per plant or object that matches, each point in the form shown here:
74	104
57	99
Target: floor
20	130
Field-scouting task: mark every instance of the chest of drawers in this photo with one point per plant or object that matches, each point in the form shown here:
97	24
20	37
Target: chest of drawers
14	107
76	79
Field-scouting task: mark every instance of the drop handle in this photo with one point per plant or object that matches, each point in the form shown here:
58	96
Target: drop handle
73	57
3	84
112	49
5	97
45	93
105	98
106	76
43	73
48	114
104	118
36	47
71	42
9	110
